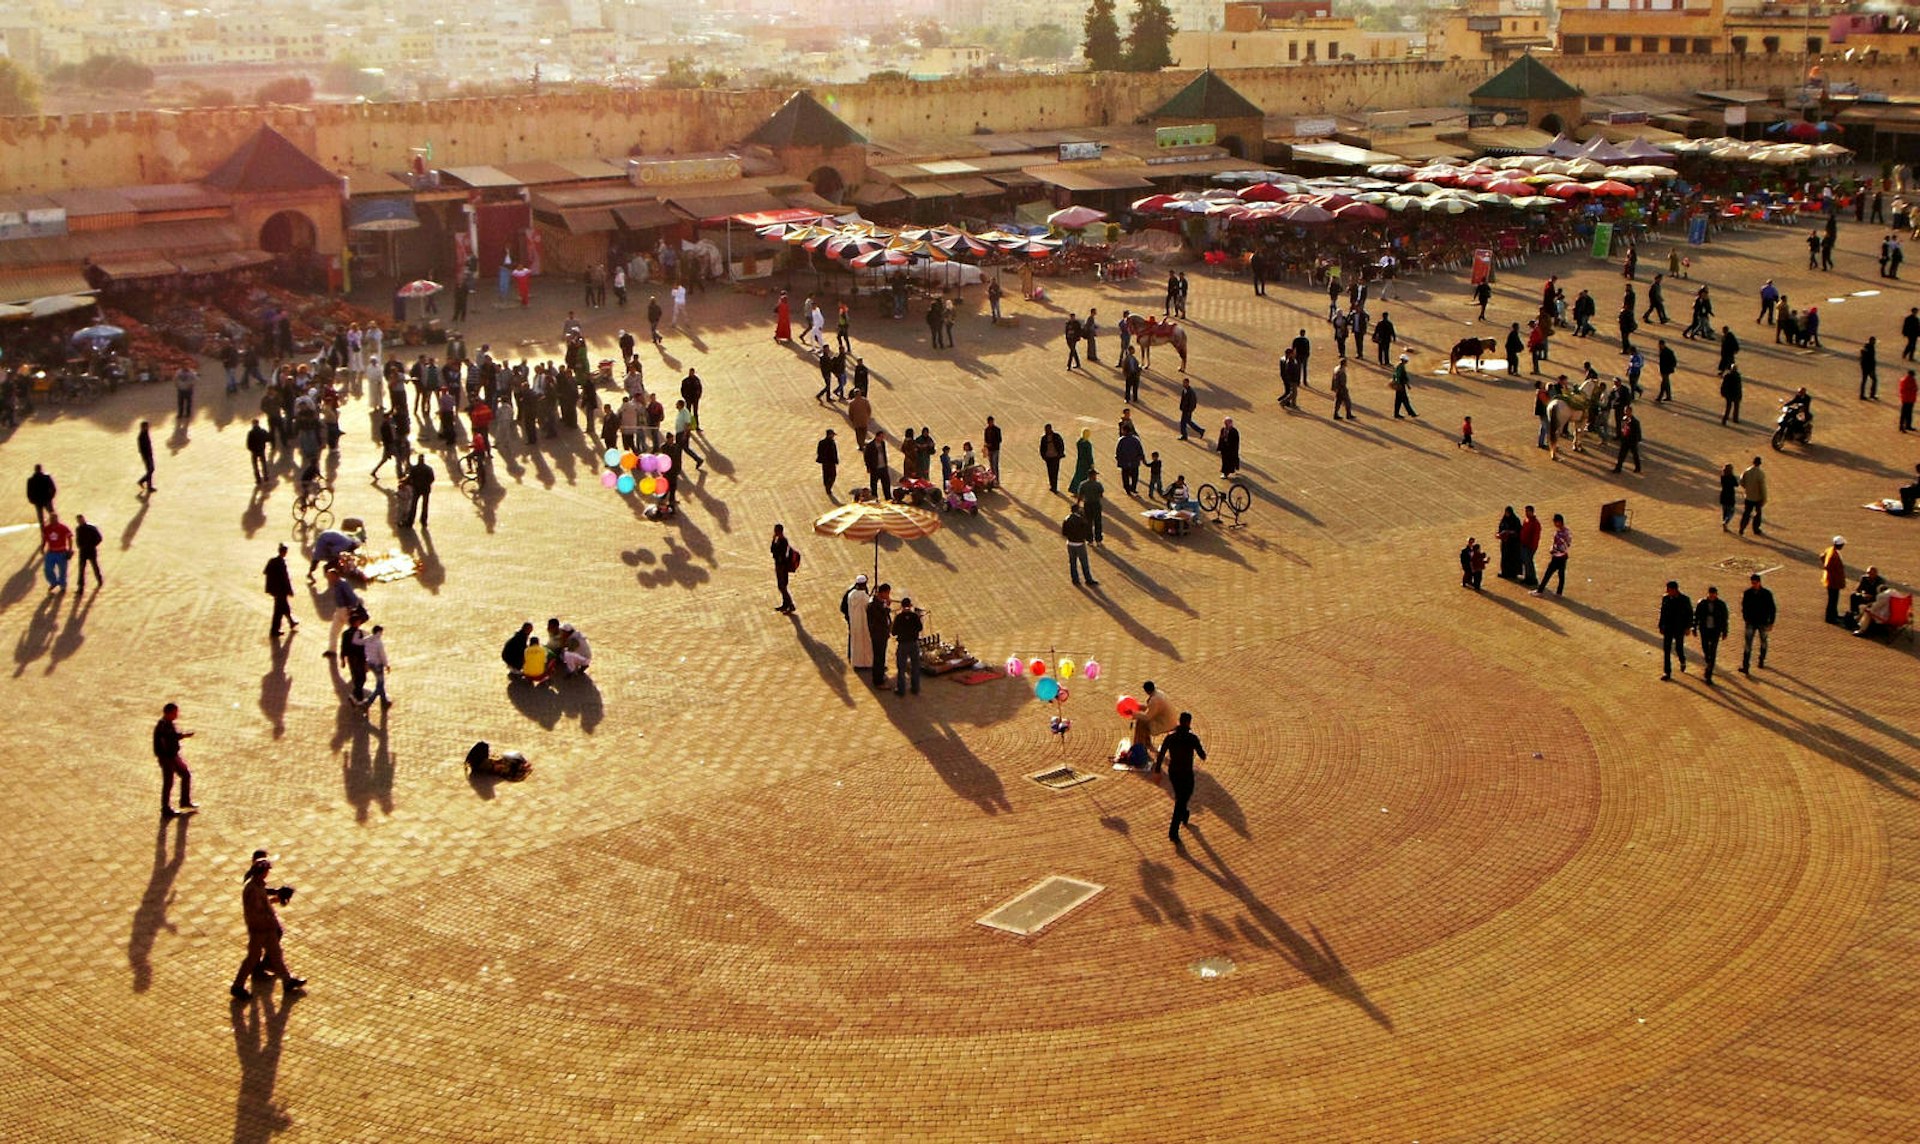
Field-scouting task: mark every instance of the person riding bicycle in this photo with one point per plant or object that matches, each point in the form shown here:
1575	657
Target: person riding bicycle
311	482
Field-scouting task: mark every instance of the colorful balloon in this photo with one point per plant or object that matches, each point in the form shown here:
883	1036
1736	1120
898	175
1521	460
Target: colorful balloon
1038	667
1047	690
1015	666
624	484
1092	670
607	479
612	458
1063	696
1128	707
1066	669
628	461
646	486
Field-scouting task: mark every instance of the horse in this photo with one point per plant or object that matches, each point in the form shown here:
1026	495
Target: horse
1561	418
1146	331
1475	348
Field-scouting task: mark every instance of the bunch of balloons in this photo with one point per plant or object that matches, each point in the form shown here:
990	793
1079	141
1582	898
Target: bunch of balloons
622	465
1049	683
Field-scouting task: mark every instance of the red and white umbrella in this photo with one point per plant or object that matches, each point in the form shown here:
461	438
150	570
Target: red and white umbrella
420	288
1360	212
1613	188
1153	203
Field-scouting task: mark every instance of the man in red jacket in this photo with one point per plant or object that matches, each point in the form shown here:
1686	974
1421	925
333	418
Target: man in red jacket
1530	544
1909	390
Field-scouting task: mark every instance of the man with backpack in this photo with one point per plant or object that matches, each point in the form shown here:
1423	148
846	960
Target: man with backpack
785	561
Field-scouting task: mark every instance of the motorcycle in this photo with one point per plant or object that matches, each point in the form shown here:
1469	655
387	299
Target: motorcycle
1795	424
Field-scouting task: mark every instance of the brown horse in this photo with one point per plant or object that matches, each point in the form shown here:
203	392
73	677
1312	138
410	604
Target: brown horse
1470	349
1146	331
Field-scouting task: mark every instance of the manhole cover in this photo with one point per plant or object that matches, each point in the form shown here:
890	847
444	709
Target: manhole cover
1745	565
1060	778
1041	906
1211	968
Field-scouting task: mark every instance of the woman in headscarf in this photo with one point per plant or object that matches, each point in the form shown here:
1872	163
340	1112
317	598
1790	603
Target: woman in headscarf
1082	461
859	637
1511	560
782	319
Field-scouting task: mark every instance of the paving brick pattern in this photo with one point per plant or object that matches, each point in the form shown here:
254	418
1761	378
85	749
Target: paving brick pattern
1480	874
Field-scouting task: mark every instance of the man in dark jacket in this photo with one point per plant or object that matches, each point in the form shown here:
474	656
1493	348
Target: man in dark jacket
907	625
1129	455
258	438
420	480
1228	445
1710	620
86	541
1668	362
875	456
40	492
514	653
1676	620
1756	616
1077	532
1052	448
1182	744
827	455
279	585
1729	349
879	625
1629	442
1189	401
1731	387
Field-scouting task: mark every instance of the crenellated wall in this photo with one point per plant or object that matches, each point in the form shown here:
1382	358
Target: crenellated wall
121	148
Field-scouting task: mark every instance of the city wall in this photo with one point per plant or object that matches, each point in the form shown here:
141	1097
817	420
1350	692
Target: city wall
46	153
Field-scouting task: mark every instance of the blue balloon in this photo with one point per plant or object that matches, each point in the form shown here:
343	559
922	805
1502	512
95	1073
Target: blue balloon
1047	689
612	458
624	484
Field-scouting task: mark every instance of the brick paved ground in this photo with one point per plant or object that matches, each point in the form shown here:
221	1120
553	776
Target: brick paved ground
1481	875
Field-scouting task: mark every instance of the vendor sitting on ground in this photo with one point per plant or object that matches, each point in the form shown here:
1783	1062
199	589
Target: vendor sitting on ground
515	652
328	548
1880	612
535	666
1177	493
567	649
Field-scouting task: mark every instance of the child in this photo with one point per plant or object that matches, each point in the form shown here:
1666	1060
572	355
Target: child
1153	476
1473	564
1466	434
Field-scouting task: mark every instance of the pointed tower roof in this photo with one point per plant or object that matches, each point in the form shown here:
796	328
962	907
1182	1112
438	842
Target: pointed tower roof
267	163
802	122
1525	79
1208	97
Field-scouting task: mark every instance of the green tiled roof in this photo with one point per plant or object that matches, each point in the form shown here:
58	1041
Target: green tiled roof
802	122
1525	79
1208	97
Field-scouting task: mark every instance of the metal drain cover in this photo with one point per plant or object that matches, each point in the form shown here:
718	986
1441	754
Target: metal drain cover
1745	565
1212	968
1049	901
1061	777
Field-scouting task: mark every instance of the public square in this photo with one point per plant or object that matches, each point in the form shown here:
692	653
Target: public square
1461	866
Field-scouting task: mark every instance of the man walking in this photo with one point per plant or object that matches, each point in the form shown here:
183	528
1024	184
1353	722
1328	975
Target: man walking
1557	550
1870	370
1183	745
1077	533
1668	361
1909	392
419	479
827	455
264	955
680	310
57	539
1189	401
782	553
1073	341
1753	483
1529	545
40	492
1383	336
87	539
1910	330
279	585
1710	620
1093	496
167	737
183	383
257	441
1757	614
991	439
144	443
1053	448
1629	441
1676	620
875	456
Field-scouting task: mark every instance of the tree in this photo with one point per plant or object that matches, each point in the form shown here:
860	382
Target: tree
1150	40
682	72
105	73
1044	42
287	89
1102	43
19	90
888	75
930	34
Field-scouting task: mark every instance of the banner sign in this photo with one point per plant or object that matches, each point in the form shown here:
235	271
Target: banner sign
664	172
1482	266
1602	239
1072	151
1193	135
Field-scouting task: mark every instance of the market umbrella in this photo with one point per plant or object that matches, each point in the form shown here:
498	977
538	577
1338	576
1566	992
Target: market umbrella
1390	171
1586	168
1447	205
58	304
882	257
1265	193
1360	212
1493	199
1152	203
1075	217
1567	190
97	336
419	288
1613	189
960	242
1304	213
1401	203
1374	197
1419	188
862	521
1508	187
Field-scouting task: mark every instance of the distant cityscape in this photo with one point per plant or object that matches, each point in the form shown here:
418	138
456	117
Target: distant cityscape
360	49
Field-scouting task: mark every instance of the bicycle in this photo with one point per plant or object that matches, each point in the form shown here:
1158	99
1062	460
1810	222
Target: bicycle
311	501
474	469
1238	499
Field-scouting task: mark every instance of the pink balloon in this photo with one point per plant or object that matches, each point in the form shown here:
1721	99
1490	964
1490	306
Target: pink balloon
607	479
1092	669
